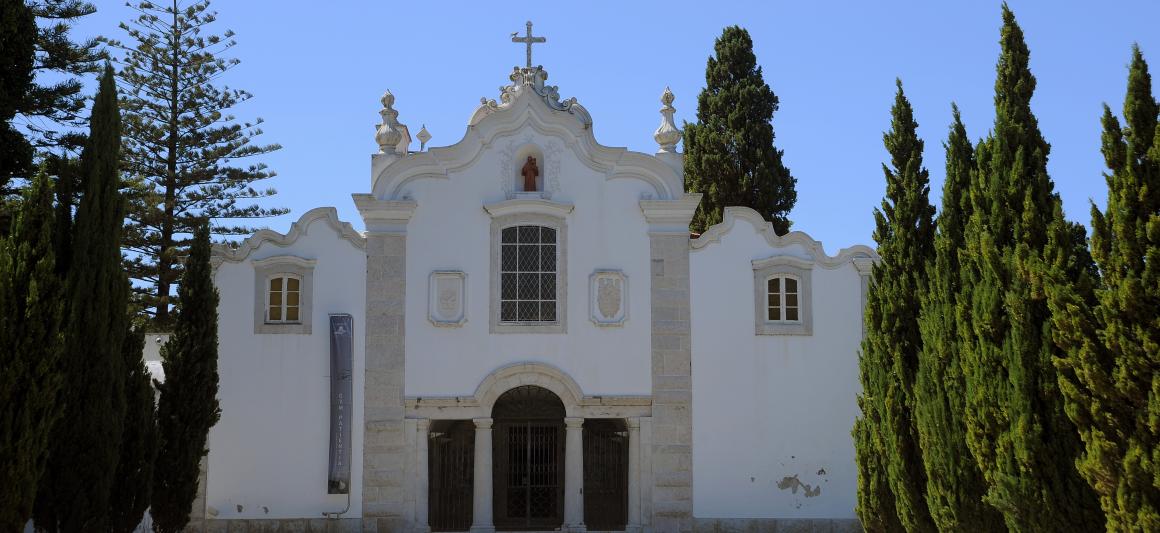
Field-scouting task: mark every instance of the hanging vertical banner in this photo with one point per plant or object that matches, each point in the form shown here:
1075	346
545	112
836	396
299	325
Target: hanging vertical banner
341	338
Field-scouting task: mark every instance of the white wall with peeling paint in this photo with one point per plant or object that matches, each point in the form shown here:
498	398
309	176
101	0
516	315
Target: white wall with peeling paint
270	450
772	413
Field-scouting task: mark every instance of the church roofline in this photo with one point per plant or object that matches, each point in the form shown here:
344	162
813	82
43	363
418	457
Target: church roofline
765	229
223	252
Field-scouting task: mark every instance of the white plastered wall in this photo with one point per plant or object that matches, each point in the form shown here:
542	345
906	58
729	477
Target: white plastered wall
269	452
450	230
772	413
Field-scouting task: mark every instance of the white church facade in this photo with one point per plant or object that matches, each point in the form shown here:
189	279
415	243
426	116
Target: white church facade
527	337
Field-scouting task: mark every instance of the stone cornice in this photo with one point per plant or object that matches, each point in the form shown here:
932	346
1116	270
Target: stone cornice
765	229
782	260
292	260
537	206
670	216
223	253
384	216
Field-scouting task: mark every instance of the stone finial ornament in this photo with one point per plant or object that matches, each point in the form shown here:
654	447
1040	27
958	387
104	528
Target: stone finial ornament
667	134
388	134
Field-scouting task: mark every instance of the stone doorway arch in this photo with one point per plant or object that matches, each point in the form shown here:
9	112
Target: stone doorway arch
528	459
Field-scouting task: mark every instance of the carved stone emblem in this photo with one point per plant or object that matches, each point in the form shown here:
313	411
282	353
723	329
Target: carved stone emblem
446	306
608	297
608	291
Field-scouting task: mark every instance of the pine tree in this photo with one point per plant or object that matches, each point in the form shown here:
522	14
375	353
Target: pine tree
183	143
1016	427
134	485
188	406
18	41
30	313
1110	371
904	230
729	152
54	111
74	492
954	484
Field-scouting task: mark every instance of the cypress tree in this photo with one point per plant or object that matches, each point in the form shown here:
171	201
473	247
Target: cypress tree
134	485
876	506
188	406
1016	427
30	294
729	152
74	493
1110	371
904	231
954	484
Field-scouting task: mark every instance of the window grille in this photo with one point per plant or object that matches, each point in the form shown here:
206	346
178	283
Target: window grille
528	257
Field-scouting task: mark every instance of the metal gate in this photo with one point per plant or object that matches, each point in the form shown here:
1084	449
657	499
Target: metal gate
605	474
529	460
451	475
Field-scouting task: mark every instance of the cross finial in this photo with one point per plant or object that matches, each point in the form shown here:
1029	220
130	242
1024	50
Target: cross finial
528	40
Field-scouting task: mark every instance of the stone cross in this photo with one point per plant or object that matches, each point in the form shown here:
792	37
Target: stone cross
529	41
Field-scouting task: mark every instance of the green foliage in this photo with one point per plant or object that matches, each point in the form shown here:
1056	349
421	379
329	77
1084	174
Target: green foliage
1110	369
954	484
30	313
904	230
729	153
134	485
53	110
182	144
74	492
18	41
188	406
1016	427
876	507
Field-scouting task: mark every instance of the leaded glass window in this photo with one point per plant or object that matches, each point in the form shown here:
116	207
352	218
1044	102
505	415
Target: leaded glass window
782	304
528	274
283	299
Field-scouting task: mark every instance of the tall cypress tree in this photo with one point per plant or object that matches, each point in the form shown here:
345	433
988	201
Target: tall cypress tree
134	484
188	406
30	294
904	230
74	493
954	484
1110	372
876	508
1016	427
729	152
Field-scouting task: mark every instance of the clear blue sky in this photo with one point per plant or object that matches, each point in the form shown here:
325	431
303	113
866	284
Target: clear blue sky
317	72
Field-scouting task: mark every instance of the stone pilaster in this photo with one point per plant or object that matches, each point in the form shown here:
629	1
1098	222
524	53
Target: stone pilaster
672	383
634	476
422	440
386	504
481	509
574	475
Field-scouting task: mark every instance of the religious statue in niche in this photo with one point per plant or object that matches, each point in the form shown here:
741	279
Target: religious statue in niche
530	172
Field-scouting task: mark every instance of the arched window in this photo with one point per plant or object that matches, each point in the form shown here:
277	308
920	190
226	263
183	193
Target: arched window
284	299
783	302
528	260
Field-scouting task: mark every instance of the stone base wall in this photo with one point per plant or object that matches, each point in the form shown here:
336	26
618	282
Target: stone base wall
777	525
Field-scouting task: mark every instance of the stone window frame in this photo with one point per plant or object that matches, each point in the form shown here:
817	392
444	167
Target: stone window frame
282	265
498	223
763	270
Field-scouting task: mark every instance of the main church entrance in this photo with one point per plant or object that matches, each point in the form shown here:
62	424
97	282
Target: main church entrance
528	460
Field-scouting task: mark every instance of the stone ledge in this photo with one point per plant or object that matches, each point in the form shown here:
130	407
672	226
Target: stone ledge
776	525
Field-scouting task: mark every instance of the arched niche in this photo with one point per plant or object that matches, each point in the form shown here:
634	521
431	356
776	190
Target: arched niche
521	158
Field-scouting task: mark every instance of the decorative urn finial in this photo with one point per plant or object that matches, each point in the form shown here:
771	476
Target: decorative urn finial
388	134
667	134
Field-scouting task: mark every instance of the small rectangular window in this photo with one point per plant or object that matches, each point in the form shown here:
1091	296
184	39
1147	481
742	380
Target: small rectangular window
284	299
782	299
